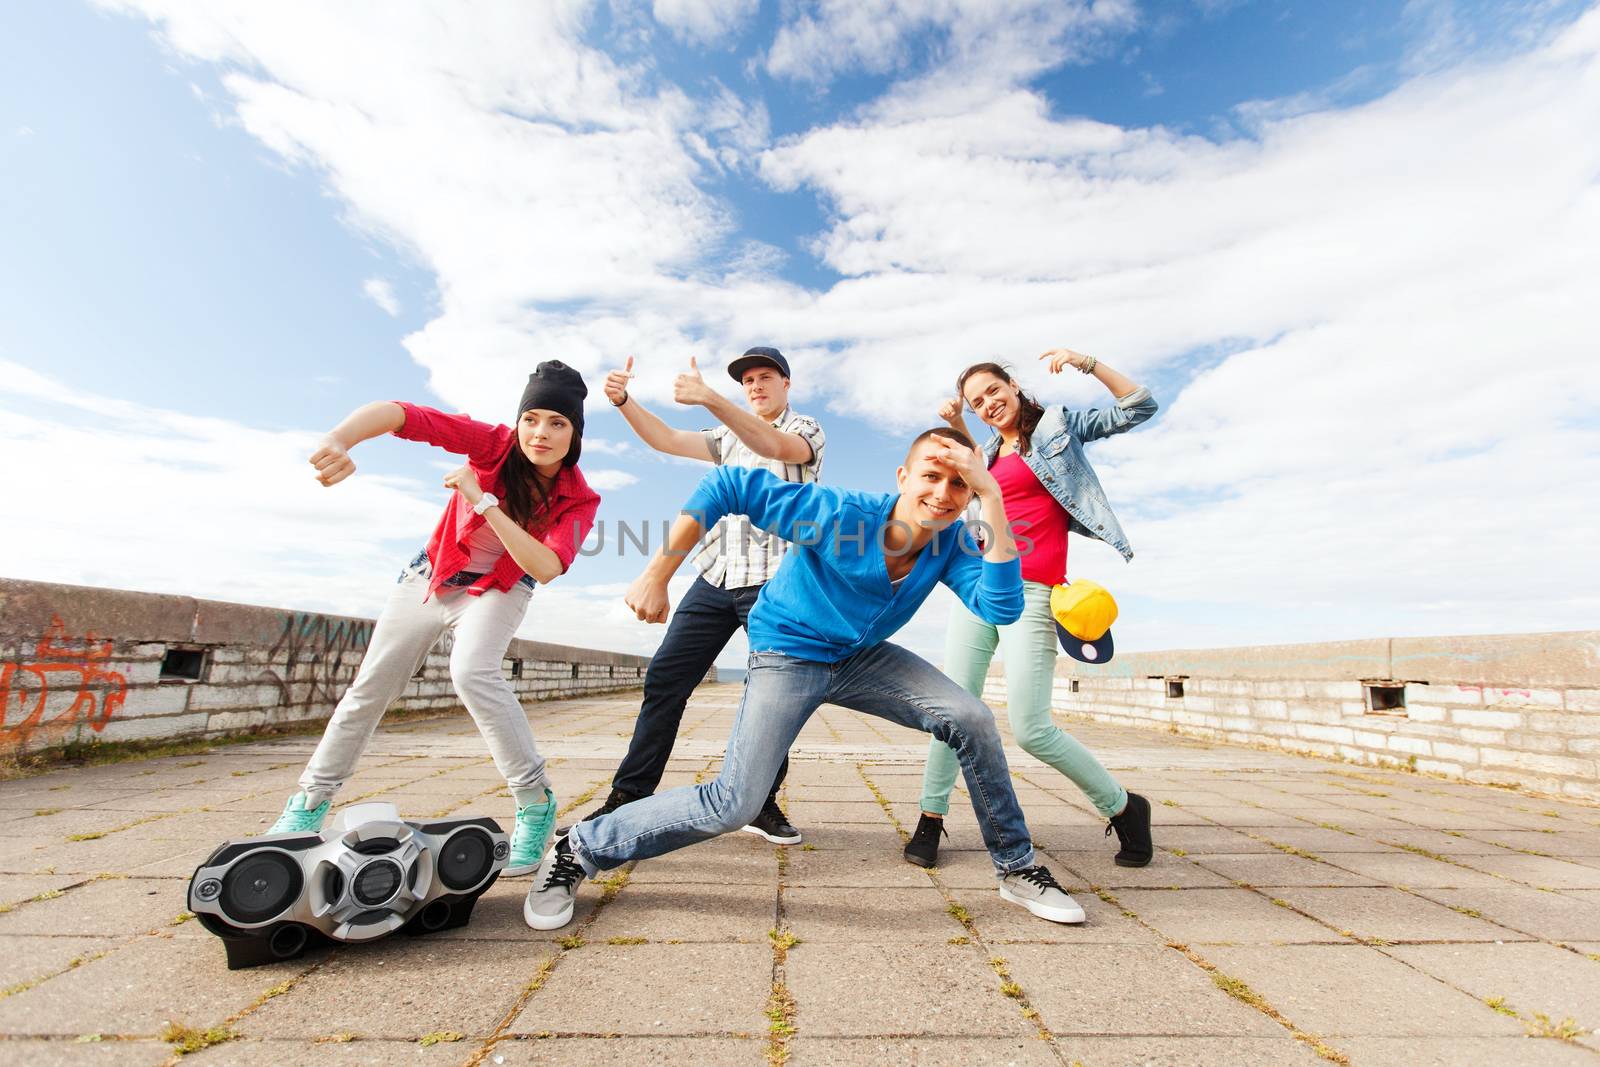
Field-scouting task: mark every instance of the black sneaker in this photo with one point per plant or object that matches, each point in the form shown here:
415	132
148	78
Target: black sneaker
774	825
1133	832
923	848
615	800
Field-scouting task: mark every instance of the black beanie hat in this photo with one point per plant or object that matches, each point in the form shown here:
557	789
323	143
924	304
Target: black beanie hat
554	386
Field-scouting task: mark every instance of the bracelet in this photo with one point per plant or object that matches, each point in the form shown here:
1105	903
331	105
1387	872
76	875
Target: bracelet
1089	364
624	400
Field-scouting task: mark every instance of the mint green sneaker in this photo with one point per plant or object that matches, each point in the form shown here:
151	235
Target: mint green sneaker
534	826
299	819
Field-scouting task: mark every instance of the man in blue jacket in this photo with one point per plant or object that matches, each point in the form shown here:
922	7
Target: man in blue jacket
859	567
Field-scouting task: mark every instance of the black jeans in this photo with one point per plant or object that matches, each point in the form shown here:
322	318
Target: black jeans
700	629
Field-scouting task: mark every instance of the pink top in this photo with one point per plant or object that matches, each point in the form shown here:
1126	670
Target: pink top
561	529
1038	523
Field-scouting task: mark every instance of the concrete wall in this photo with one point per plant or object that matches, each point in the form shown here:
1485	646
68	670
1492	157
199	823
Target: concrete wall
85	664
1518	708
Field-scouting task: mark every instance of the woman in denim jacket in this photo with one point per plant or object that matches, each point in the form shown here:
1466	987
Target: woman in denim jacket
1049	488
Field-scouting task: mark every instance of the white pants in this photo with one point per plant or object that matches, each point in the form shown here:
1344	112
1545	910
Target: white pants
409	626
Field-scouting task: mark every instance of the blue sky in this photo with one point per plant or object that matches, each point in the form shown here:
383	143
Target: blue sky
1345	244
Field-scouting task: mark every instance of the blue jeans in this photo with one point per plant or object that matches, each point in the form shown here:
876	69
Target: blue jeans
780	693
703	623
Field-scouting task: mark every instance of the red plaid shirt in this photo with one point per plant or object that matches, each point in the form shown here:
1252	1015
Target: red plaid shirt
561	528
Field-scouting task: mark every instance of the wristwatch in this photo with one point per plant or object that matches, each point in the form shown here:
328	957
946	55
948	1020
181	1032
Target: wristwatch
485	502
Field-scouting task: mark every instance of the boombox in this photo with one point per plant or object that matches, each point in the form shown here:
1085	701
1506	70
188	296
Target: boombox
368	875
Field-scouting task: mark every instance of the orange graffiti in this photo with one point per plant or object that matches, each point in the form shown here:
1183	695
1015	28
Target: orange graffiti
99	692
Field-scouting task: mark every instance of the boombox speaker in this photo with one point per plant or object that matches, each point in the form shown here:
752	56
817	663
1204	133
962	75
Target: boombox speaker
370	874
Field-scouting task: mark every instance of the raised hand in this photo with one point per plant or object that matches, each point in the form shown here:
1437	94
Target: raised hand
332	461
950	410
691	388
1064	357
616	387
969	463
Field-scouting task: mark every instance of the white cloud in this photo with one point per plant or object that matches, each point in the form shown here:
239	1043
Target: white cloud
972	41
381	293
602	480
704	21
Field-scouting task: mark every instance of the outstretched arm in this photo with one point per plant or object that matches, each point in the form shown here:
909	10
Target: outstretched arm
1134	402
651	430
761	436
332	457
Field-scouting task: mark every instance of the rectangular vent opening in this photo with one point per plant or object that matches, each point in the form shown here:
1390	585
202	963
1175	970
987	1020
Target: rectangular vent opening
516	669
1174	688
183	665
574	671
1385	697
1074	685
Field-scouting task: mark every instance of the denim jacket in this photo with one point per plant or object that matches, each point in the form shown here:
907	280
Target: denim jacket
1057	460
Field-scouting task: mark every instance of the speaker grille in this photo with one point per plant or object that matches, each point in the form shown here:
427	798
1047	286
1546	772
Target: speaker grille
465	859
377	882
260	886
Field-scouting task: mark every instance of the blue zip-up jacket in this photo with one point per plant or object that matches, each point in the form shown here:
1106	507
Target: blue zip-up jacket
831	597
1057	460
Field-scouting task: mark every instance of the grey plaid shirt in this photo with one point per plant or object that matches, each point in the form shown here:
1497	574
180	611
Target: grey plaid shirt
735	554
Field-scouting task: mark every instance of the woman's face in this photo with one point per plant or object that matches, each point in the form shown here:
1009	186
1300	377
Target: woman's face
545	437
994	400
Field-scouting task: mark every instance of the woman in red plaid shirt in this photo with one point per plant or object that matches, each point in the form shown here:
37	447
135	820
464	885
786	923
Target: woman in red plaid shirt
520	510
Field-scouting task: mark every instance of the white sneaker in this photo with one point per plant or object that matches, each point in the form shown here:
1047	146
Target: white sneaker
555	888
1036	889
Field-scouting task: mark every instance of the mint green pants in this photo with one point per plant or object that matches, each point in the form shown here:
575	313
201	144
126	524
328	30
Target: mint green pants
1028	649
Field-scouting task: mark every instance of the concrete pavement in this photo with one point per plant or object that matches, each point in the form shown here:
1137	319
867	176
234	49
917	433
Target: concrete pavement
1296	909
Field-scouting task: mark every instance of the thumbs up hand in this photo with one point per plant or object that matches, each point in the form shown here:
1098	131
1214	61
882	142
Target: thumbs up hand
690	388
616	387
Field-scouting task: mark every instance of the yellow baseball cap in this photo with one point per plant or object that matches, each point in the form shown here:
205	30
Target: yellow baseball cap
1084	612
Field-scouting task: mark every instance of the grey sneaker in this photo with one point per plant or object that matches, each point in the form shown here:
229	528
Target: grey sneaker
1036	889
555	888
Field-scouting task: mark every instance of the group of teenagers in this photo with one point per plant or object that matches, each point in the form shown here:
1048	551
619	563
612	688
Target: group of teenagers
819	577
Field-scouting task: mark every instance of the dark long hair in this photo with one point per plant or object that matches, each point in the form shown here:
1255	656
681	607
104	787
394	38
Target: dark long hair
1031	411
527	492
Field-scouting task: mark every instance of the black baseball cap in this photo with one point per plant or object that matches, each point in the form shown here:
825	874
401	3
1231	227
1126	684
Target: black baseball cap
761	356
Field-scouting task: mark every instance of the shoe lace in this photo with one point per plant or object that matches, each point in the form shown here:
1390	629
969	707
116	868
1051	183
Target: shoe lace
771	810
565	872
1041	877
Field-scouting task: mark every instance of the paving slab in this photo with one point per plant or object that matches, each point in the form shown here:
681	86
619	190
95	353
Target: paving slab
1463	1052
519	1051
1548	915
653	990
114	994
1187	1050
1228	916
1529	978
1082	989
664	911
809	1051
402	988
934	990
1391	915
1353	990
73	1052
346	1052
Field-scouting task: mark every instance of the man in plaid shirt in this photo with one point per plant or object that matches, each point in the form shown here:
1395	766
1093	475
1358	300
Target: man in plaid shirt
735	561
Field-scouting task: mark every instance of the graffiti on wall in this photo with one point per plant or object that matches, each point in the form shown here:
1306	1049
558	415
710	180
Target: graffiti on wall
327	648
26	687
